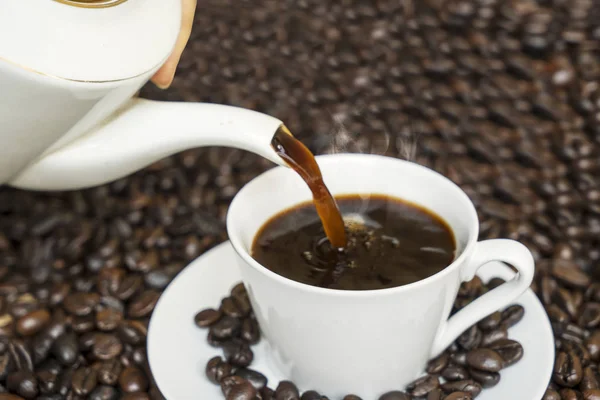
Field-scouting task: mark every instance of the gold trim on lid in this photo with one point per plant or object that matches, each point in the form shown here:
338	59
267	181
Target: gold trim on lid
92	3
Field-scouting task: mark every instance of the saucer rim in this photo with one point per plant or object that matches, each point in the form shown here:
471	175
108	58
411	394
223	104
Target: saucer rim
227	246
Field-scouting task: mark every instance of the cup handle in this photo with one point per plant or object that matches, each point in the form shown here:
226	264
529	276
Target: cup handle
506	250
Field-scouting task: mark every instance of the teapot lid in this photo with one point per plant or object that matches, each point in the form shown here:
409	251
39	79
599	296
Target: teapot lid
88	40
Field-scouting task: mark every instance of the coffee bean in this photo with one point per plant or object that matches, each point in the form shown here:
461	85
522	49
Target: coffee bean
394	395
136	396
108	319
590	379
104	393
81	304
229	382
493	336
567	369
217	369
107	346
435	394
511	351
257	379
143	304
66	348
23	383
459	396
33	322
207	317
8	396
485	360
591	394
469	386
512	315
423	385
226	328
436	365
40	347
347	397
485	379
109	372
311	395
569	274
570	394
455	373
250	331
132	332
242	391
237	352
490	322
470	339
84	381
133	380
286	390
551	395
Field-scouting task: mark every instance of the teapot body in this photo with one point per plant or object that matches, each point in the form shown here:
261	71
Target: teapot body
40	114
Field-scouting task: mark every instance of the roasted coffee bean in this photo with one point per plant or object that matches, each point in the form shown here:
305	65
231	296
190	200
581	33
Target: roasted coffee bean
80	303
311	395
104	393
470	339
591	394
237	352
108	319
590	379
569	273
66	348
459	396
107	346
33	322
133	379
511	351
436	394
109	372
593	345
570	394
568	371
132	332
250	331
348	397
286	390
242	391
143	304
217	369
229	382
227	327
394	395
485	360
455	373
436	365
423	385
207	317
229	307
136	396
459	358
490	337
490	322
469	386
551	395
257	379
512	315
485	379
40	347
8	396
23	383
84	381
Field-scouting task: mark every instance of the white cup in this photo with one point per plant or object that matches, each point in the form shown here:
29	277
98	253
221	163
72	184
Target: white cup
367	342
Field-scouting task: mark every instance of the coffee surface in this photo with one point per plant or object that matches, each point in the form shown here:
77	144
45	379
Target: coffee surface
390	243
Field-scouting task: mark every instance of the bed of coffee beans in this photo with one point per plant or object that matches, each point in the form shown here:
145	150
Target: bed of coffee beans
472	363
503	97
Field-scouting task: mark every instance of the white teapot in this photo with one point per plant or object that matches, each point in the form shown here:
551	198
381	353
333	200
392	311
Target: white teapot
68	71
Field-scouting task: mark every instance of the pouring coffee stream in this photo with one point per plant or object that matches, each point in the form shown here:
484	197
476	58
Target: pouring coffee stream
301	160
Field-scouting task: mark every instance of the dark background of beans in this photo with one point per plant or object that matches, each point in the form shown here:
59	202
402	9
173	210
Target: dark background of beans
501	96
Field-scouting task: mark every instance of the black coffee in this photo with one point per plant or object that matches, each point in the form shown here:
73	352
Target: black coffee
390	243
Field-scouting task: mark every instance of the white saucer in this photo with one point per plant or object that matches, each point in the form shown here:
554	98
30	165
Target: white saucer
178	351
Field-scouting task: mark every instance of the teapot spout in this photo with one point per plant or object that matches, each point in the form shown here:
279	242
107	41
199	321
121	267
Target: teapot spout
145	131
